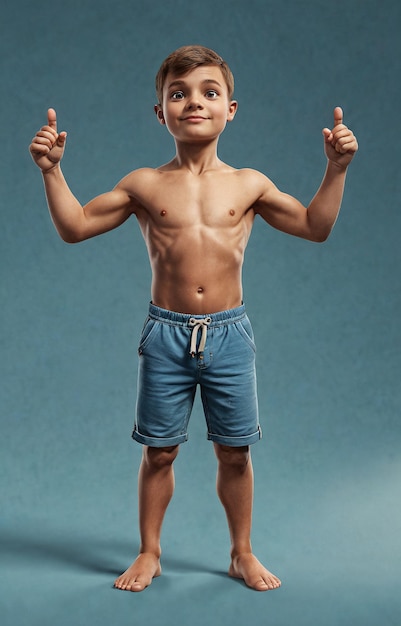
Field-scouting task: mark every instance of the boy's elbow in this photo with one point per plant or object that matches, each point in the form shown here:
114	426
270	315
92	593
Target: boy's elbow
71	237
318	230
321	237
70	240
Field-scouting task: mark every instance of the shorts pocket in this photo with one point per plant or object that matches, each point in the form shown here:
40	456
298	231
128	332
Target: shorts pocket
148	332
245	328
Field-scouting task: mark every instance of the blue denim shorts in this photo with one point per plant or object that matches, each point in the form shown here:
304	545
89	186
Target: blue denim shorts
178	352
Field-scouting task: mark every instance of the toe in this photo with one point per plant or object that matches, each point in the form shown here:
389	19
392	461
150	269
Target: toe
135	586
266	583
138	584
261	585
117	583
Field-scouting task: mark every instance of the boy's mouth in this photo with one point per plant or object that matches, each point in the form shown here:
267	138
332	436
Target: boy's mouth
194	117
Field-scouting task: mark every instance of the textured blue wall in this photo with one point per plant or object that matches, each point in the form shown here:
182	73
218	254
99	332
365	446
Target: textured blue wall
326	318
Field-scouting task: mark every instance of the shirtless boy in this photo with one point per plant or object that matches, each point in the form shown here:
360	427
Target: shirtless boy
196	215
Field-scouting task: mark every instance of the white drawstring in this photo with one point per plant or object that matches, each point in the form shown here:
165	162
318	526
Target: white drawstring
197	325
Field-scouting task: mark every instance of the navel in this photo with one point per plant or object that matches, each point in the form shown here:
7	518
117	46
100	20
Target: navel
200	290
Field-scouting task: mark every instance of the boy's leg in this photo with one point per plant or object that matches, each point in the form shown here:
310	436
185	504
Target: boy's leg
155	490
235	490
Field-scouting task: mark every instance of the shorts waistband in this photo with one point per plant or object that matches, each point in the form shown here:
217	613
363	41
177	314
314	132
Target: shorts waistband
220	318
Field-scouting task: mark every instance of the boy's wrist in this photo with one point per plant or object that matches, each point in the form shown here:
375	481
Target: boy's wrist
52	170
335	167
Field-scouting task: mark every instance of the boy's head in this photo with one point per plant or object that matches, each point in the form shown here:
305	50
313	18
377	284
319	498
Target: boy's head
187	58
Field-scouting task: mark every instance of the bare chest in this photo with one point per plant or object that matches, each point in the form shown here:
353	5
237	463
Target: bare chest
200	203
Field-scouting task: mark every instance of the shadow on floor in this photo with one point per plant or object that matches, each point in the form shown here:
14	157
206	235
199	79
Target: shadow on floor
91	553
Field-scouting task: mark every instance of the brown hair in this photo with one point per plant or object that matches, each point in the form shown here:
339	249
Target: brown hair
187	58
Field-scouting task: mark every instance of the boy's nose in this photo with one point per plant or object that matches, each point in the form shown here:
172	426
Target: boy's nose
194	103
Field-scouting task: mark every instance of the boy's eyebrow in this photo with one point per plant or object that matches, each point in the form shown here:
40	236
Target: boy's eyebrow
212	81
180	83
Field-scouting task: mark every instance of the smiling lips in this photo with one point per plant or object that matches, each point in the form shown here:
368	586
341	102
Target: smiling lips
194	118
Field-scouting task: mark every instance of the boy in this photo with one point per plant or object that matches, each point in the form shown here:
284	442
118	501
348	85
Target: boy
196	215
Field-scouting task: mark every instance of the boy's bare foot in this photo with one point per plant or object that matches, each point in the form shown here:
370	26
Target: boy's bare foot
140	574
247	567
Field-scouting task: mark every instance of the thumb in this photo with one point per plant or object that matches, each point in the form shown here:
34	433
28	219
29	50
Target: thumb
338	116
52	119
52	122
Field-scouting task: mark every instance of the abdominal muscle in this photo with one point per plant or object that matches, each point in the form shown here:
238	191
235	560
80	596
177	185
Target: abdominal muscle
196	271
196	297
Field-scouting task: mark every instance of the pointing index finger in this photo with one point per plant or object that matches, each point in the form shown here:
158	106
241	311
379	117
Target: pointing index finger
338	116
52	119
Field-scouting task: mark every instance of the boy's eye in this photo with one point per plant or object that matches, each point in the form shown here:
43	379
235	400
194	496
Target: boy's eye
177	95
211	93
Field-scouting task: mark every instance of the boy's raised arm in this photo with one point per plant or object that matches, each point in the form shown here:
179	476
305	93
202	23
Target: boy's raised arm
340	147
317	220
73	221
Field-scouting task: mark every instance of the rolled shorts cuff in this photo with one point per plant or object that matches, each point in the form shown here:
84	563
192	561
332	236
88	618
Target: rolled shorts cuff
158	442
236	442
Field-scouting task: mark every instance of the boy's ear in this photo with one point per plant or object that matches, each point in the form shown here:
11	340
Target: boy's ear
159	113
232	109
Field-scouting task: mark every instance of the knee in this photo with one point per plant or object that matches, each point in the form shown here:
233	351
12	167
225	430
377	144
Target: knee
237	458
159	458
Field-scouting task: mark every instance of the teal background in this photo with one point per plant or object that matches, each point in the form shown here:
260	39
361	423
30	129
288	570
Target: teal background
326	319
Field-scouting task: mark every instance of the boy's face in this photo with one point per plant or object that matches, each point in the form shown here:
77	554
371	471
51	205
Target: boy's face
196	106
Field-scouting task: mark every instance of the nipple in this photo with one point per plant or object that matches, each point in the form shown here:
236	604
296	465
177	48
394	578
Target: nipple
163	213
232	212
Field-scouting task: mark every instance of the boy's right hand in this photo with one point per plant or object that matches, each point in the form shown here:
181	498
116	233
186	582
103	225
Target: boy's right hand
47	147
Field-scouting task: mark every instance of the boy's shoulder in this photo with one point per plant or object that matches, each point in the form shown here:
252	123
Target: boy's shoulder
252	179
251	174
138	178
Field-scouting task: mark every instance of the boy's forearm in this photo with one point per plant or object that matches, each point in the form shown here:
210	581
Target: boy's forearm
325	206
66	212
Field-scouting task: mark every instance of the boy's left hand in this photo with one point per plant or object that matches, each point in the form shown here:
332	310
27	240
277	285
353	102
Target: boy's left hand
340	144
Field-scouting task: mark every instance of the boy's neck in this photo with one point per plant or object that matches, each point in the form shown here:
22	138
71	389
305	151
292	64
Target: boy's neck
197	158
